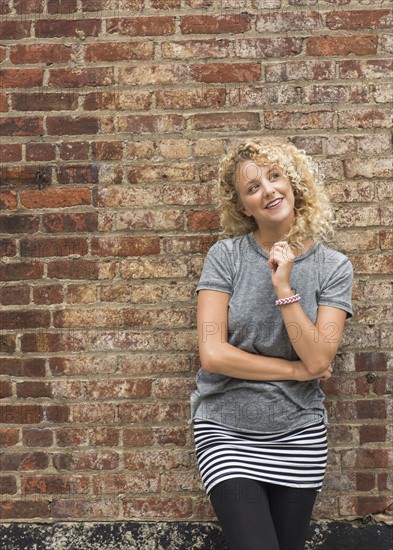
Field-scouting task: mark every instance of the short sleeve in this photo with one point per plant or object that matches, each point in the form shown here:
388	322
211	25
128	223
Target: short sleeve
337	289
217	269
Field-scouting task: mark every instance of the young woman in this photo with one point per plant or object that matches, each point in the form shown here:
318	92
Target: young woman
272	302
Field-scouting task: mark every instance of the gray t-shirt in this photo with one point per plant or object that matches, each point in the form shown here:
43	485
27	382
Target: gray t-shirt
239	266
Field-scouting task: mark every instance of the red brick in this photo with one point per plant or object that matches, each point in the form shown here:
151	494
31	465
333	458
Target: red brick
226	121
8	485
10	320
10	152
118	51
372	433
125	246
151	412
70	223
14	295
359	19
63	6
226	72
365	69
107	150
40	151
104	437
267	47
191	99
14	30
56	485
7	248
101	5
371	408
40	101
21	414
21	271
141	26
94	413
65	126
5	389
32	437
24	461
371	361
365	481
40	53
8	343
365	118
3	103
138	437
23	126
126	483
47	294
72	269
71	437
8	200
86	460
13	509
9	437
63	246
33	389
342	45
74	150
32	6
21	78
75	175
57	413
72	78
203	220
367	458
82	294
213	24
119	101
55	198
60	28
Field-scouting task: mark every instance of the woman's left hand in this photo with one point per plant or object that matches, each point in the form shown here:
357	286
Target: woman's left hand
281	260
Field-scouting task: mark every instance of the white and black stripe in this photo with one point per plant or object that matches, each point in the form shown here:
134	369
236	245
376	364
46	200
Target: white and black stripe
296	459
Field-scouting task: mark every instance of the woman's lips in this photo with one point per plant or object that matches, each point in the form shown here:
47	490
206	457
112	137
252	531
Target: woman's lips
275	206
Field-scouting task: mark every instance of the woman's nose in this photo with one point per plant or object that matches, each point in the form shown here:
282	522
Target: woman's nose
267	186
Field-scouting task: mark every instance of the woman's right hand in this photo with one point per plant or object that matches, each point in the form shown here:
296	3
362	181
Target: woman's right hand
303	375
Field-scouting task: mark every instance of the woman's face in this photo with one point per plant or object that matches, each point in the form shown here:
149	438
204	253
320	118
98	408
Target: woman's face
266	194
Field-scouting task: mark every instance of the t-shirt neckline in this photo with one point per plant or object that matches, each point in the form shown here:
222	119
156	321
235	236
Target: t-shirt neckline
255	244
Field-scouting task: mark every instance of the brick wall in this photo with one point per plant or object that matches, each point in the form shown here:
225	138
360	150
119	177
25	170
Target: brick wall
113	115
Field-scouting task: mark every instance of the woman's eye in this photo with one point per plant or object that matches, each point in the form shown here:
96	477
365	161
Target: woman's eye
253	187
274	175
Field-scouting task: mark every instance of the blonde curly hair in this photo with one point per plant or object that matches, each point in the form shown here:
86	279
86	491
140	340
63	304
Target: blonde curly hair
314	215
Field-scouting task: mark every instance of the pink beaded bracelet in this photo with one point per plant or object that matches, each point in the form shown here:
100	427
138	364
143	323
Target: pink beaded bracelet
289	300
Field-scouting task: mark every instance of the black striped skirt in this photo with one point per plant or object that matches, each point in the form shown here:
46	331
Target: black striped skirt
296	459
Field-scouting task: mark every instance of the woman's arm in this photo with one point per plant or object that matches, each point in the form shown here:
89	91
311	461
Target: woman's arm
315	344
218	356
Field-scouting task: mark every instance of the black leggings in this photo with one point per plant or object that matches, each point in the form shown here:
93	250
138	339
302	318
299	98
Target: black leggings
262	516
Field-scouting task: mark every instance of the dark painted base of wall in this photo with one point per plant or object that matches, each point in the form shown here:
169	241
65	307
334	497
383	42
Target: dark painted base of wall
177	536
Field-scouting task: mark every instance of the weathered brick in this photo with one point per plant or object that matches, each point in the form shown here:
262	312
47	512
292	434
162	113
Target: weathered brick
298	119
180	507
373	168
299	70
366	69
80	509
226	121
127	483
141	26
119	101
267	47
125	246
226	72
55	485
281	21
32	437
191	99
195	49
212	24
359	19
342	45
70	223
